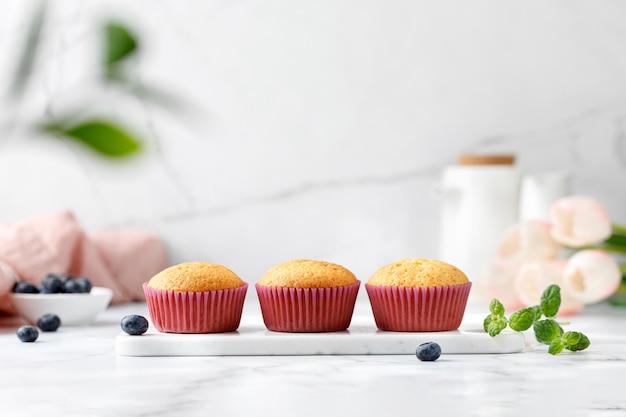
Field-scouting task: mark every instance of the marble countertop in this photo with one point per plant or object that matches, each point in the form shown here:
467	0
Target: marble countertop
76	372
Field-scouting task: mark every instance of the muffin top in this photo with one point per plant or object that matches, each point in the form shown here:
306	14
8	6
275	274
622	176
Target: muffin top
194	277
418	272
305	273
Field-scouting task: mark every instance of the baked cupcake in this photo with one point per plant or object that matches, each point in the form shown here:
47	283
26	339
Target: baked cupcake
307	296
195	297
418	295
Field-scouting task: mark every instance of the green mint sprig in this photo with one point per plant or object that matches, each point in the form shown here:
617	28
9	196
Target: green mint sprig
546	330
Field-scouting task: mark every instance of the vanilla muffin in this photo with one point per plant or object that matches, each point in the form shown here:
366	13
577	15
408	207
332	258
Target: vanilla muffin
307	296
418	295
195	297
195	276
305	273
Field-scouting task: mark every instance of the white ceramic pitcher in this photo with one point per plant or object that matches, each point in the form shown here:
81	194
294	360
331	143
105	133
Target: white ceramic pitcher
540	190
479	201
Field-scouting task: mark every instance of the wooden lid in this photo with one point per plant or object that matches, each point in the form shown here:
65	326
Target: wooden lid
486	159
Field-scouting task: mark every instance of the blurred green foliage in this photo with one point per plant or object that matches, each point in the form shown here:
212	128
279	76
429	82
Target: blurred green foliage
106	137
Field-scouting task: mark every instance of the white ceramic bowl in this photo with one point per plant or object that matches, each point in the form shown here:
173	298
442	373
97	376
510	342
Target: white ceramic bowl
72	309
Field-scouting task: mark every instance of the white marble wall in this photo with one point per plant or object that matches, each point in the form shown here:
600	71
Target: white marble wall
318	127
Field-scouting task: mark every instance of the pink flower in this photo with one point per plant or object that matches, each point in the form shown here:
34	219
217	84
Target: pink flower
578	221
591	276
529	240
534	277
496	281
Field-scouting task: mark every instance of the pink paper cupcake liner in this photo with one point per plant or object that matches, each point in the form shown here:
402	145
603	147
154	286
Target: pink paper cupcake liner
195	312
307	310
403	309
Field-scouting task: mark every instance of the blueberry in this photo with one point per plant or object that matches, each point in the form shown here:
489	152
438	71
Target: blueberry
65	277
72	286
429	351
51	284
84	284
134	325
27	333
49	323
25	288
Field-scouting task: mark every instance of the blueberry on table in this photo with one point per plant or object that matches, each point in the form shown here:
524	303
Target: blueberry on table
134	325
429	351
25	288
51	284
27	333
49	323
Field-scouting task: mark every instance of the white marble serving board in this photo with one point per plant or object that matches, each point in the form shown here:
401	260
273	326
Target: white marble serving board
357	340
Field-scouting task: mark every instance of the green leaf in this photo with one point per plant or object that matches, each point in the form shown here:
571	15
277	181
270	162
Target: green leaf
29	51
494	325
546	331
581	341
616	239
119	44
555	347
522	319
537	311
571	339
496	307
551	300
103	137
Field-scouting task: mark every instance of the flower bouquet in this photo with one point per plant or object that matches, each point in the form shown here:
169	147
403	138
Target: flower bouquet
577	249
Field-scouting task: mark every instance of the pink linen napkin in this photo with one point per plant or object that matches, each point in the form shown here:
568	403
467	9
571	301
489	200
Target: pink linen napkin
56	243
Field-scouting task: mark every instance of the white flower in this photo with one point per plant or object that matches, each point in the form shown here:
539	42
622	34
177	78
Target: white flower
496	281
591	276
578	221
534	277
529	240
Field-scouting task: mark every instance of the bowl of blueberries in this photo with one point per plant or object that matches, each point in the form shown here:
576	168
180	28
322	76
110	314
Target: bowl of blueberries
72	299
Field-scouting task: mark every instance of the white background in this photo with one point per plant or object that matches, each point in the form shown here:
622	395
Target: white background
316	128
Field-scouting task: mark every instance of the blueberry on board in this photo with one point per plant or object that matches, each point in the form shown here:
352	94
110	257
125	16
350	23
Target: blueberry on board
49	323
84	284
25	287
51	284
134	325
27	333
429	351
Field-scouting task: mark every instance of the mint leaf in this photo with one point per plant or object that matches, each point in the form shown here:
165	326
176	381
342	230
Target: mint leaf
546	331
551	301
522	319
575	341
583	343
496	308
555	347
571	338
494	325
537	311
